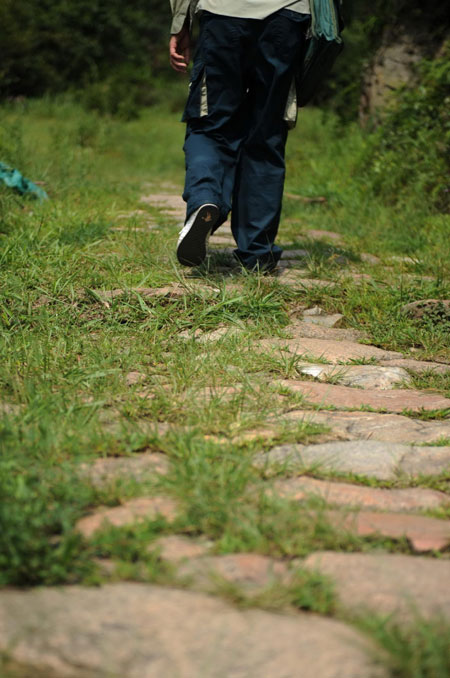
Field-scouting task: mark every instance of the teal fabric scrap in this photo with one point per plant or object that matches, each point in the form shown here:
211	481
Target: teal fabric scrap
14	179
324	20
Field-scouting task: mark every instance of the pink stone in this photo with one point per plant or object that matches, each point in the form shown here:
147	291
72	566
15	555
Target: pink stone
318	234
133	511
347	494
250	570
134	377
424	534
387	583
332	350
175	548
344	397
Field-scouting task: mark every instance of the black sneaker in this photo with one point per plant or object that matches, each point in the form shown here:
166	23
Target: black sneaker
191	248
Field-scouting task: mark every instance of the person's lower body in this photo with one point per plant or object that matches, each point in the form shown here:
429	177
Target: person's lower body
236	132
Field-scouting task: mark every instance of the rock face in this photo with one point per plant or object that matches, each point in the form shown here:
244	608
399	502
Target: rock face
391	67
140	631
387	583
415	31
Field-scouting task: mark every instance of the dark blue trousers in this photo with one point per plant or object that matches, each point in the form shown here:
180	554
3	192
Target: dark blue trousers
236	134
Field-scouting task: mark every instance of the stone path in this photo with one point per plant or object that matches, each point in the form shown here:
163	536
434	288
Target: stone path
367	476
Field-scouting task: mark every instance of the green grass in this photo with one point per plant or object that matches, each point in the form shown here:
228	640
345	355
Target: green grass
415	650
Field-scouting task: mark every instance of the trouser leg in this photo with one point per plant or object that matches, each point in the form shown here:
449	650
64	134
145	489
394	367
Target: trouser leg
259	182
214	124
210	168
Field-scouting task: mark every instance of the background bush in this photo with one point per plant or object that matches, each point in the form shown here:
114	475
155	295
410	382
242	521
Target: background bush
408	156
55	45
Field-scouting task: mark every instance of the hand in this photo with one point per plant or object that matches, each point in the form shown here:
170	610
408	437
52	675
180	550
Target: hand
180	50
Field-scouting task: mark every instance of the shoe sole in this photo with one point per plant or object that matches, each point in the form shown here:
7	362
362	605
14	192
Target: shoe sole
191	251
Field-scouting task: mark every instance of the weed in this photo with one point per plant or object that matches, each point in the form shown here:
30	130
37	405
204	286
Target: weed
415	650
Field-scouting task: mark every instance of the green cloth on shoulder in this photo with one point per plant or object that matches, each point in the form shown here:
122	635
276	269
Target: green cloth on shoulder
14	179
325	20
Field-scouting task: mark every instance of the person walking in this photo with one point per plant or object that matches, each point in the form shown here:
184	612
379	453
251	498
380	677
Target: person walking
240	106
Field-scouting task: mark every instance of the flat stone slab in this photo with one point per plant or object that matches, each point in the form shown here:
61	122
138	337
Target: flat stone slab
150	226
132	215
222	239
371	259
303	198
215	335
360	376
173	205
320	234
370	458
174	548
250	571
331	350
132	511
134	377
333	320
347	494
296	278
110	469
10	409
424	534
393	428
165	199
171	291
387	584
426	460
287	255
304	330
418	366
344	397
132	630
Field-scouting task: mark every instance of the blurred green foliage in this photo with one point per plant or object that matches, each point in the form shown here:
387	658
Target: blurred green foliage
48	46
37	541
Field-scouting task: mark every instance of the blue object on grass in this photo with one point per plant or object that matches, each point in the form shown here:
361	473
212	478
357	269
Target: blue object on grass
14	179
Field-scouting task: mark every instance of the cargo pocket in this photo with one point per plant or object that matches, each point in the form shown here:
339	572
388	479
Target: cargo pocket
197	103
290	111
